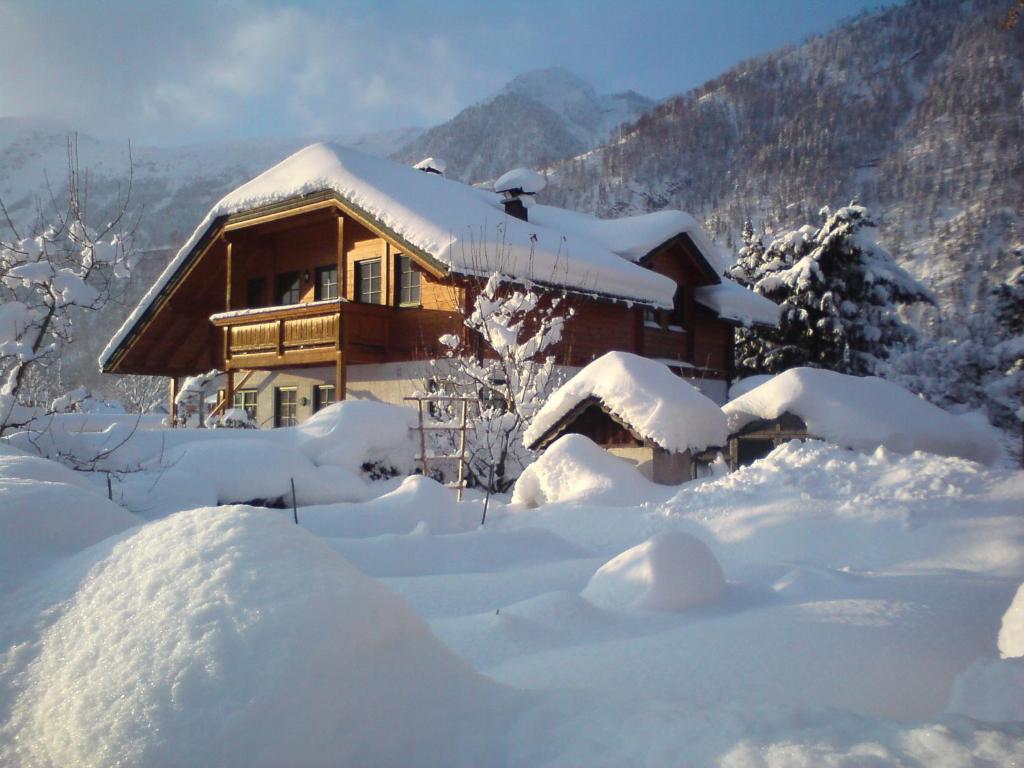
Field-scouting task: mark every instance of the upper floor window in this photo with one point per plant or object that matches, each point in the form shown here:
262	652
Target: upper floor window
679	317
326	283
408	282
368	281
256	292
289	288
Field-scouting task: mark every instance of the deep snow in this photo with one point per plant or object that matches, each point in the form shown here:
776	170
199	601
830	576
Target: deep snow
856	617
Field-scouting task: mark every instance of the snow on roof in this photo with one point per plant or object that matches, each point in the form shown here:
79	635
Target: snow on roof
529	182
435	164
731	301
643	393
463	228
861	413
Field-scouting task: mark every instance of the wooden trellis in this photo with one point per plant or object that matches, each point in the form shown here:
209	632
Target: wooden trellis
422	427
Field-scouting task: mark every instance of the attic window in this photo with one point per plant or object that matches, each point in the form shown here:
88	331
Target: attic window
408	282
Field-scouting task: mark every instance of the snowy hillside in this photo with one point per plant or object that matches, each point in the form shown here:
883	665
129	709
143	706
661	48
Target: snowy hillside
915	111
539	117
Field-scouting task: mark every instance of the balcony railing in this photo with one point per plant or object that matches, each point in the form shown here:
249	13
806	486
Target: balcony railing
302	334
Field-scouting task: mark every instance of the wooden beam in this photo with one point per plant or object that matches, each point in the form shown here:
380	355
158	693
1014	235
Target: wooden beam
341	360
227	269
342	272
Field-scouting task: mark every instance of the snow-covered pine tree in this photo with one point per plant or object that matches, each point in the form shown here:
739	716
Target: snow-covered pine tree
839	292
750	257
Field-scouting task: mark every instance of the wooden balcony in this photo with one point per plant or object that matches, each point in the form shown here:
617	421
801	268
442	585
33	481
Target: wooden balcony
304	334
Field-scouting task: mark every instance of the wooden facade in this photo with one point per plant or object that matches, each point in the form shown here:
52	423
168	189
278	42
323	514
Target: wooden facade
247	299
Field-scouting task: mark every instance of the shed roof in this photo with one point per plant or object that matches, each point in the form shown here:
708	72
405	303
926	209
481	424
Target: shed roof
642	394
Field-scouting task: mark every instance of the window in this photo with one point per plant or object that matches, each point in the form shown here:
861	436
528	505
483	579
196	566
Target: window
408	282
323	395
285	414
256	293
368	281
326	283
246	399
289	288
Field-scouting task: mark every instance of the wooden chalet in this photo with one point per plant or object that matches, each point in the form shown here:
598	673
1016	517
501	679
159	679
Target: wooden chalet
333	274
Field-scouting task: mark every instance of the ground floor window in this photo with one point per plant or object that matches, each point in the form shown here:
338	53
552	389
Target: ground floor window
246	400
285	407
323	395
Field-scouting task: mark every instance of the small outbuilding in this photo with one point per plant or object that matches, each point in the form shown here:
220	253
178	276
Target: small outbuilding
858	412
638	409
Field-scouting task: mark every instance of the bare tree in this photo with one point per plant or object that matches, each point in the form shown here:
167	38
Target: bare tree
49	276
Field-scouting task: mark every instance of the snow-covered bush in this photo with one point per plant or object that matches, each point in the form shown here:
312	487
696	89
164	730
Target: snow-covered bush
671	571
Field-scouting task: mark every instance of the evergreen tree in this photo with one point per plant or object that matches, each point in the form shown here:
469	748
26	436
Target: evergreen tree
750	257
838	290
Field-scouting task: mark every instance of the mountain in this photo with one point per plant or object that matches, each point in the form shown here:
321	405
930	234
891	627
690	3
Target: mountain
172	187
915	111
539	117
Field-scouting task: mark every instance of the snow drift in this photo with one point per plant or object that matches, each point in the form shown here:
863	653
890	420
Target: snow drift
671	571
862	413
574	468
232	637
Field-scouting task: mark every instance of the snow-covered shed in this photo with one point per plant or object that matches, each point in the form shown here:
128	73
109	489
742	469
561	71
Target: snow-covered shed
635	408
856	412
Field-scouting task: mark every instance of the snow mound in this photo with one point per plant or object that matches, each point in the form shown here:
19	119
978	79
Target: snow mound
574	468
671	571
416	501
862	413
233	637
351	433
1011	633
48	512
644	394
238	470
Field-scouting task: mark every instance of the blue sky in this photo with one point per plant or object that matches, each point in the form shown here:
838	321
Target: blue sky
177	72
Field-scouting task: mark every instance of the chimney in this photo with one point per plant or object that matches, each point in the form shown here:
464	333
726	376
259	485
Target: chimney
432	165
517	188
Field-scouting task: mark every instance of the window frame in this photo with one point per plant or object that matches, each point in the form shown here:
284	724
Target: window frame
318	400
407	280
242	394
293	276
318	286
279	419
361	267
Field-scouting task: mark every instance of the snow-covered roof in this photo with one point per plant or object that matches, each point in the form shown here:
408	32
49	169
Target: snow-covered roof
642	393
460	228
861	413
731	301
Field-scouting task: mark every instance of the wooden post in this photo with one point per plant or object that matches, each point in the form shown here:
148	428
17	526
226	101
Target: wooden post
228	268
423	440
462	451
229	390
342	272
173	406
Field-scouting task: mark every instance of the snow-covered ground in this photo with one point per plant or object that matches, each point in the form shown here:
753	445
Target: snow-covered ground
822	607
